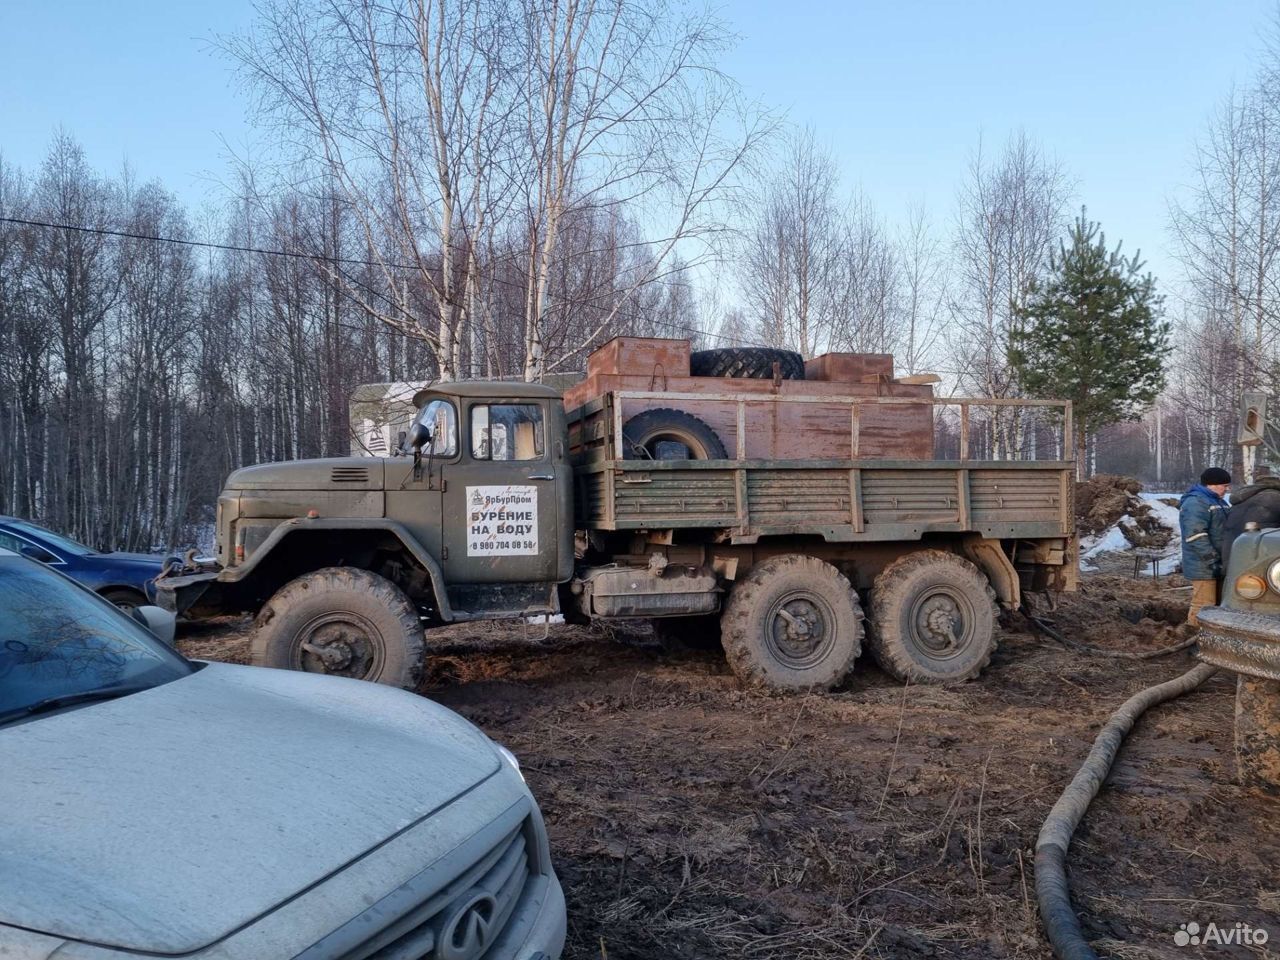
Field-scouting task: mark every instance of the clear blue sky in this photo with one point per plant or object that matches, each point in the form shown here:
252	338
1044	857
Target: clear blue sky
900	91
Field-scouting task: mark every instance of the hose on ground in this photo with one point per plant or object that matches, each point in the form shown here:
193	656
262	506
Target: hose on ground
1052	891
1049	630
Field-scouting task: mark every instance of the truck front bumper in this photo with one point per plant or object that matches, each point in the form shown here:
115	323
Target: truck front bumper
180	594
1247	643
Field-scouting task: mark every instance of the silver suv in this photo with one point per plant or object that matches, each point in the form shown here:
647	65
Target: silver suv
154	805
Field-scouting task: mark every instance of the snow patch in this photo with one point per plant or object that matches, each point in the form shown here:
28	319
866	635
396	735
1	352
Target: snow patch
1112	544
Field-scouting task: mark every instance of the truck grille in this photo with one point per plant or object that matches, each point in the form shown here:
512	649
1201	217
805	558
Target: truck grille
421	920
349	475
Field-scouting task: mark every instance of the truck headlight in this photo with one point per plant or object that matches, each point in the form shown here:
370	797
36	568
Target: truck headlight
1273	575
1252	587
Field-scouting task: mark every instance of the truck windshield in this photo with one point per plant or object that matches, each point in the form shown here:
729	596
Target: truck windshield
58	640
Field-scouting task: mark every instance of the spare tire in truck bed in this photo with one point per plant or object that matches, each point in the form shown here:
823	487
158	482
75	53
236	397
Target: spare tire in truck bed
666	434
753	363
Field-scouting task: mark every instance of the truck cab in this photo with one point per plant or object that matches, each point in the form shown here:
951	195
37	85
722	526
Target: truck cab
490	493
470	518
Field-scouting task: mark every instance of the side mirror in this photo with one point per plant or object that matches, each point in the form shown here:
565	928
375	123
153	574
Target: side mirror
159	621
419	435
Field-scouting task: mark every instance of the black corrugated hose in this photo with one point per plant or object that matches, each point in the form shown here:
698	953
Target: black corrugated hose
1056	913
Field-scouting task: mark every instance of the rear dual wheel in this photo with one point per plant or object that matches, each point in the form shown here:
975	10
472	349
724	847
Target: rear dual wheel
933	618
793	623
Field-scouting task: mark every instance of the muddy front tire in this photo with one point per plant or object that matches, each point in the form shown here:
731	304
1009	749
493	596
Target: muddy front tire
344	622
793	623
933	618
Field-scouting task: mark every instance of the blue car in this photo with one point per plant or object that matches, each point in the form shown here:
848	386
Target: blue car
126	579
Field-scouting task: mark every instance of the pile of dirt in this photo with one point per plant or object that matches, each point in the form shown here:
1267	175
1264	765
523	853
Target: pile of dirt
1103	499
1106	500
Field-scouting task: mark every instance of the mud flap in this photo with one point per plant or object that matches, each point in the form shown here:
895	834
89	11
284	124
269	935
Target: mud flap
988	557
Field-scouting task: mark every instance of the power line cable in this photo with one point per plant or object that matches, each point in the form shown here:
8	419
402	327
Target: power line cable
348	261
236	248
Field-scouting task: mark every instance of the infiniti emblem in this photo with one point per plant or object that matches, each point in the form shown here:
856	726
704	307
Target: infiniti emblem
468	930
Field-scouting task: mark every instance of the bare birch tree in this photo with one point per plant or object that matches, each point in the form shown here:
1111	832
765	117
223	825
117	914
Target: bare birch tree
819	270
791	258
405	108
447	124
1010	213
624	105
922	296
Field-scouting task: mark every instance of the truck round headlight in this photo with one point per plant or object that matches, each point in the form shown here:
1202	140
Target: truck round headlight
1251	587
1273	575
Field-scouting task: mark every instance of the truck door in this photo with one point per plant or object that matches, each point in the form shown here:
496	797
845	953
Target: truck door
501	511
413	492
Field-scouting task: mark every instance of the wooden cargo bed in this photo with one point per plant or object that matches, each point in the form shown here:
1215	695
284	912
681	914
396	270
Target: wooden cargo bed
838	500
847	461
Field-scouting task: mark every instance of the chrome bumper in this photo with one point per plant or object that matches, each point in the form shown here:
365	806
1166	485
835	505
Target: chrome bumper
1247	643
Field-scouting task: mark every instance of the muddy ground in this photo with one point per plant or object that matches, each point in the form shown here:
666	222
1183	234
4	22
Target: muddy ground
690	818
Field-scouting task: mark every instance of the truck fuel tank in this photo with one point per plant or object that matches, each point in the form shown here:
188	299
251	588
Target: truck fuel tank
658	590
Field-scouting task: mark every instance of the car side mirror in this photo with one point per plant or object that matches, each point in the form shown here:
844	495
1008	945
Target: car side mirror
159	621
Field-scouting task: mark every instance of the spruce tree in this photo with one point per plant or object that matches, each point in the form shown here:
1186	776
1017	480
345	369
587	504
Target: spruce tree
1092	333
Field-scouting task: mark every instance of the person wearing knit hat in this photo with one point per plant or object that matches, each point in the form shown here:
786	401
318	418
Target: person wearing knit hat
1202	515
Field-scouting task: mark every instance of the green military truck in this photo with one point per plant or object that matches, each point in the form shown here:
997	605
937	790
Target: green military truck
501	504
1242	633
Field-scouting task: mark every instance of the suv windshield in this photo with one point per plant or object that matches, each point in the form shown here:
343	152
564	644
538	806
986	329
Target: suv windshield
58	640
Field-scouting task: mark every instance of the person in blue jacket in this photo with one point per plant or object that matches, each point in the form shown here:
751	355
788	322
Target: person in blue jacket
1202	514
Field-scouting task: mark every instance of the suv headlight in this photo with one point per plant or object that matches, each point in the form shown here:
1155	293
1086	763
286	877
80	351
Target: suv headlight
509	757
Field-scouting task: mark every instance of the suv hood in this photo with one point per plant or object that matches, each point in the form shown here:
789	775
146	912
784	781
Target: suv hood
165	820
